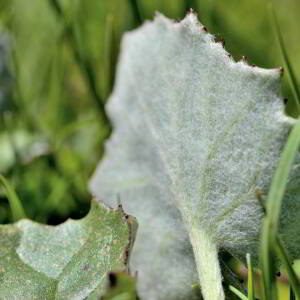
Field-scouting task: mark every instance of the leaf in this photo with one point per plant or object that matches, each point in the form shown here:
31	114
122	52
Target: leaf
68	261
196	137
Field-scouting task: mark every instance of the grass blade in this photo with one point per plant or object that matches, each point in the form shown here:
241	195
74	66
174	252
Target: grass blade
14	201
84	64
250	278
237	293
136	11
293	279
292	294
56	6
275	196
109	53
291	73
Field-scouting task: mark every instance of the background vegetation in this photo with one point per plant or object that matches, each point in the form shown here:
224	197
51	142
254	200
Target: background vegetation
57	64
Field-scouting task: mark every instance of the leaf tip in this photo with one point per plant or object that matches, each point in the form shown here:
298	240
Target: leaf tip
220	41
244	59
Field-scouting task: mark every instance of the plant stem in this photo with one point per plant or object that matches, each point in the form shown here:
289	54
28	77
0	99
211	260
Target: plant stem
206	256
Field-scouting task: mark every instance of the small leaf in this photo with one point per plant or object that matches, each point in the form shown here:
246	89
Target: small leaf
68	261
196	135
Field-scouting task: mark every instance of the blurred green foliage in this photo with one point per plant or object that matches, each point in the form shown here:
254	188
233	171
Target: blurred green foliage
57	65
121	287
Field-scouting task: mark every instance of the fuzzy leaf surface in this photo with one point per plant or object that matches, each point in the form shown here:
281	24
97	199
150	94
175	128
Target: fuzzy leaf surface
196	137
68	261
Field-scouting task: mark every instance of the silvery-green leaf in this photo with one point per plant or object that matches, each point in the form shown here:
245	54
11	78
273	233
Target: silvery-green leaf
196	137
68	261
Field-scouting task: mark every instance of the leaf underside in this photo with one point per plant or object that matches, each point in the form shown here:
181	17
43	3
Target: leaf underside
68	261
196	137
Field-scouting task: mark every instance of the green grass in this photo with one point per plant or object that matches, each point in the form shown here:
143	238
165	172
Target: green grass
16	207
271	245
251	295
286	60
